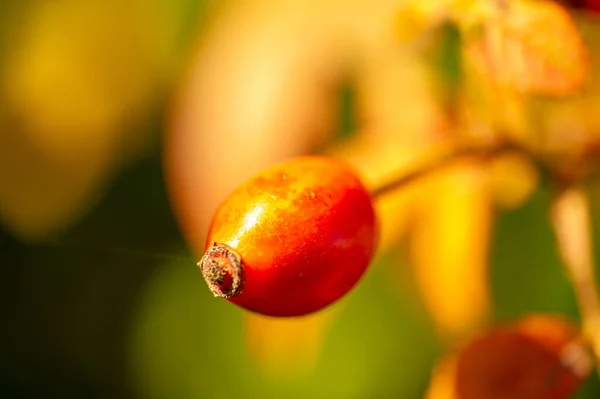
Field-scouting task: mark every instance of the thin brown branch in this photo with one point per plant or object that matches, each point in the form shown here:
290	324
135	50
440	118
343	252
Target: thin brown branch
441	156
434	160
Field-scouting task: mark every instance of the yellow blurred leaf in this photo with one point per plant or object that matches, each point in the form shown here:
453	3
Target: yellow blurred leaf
286	347
417	16
443	376
512	180
531	45
40	194
571	127
562	130
449	246
82	68
78	80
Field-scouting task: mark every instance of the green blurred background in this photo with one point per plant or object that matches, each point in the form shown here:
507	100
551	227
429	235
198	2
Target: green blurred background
114	307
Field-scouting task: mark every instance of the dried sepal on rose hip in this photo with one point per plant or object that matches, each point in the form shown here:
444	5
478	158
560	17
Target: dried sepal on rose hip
539	357
292	239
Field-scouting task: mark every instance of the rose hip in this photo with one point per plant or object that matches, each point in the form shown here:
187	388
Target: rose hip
292	239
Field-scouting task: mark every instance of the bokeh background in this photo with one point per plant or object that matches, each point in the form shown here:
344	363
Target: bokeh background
124	123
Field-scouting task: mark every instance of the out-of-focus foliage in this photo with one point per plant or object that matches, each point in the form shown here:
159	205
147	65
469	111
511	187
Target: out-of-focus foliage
458	267
274	341
517	46
80	82
176	353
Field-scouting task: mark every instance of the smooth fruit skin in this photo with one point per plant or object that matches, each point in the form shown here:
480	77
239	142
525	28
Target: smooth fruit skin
305	233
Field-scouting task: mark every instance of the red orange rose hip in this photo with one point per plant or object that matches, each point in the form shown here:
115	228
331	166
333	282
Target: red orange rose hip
292	239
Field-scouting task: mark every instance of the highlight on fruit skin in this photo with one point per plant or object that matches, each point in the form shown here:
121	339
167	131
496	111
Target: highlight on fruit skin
538	357
292	239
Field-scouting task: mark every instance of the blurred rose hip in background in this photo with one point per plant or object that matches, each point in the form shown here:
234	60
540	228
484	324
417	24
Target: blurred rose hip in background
123	126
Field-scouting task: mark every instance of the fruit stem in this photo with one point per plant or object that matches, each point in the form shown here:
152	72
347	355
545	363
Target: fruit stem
223	270
439	158
570	218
